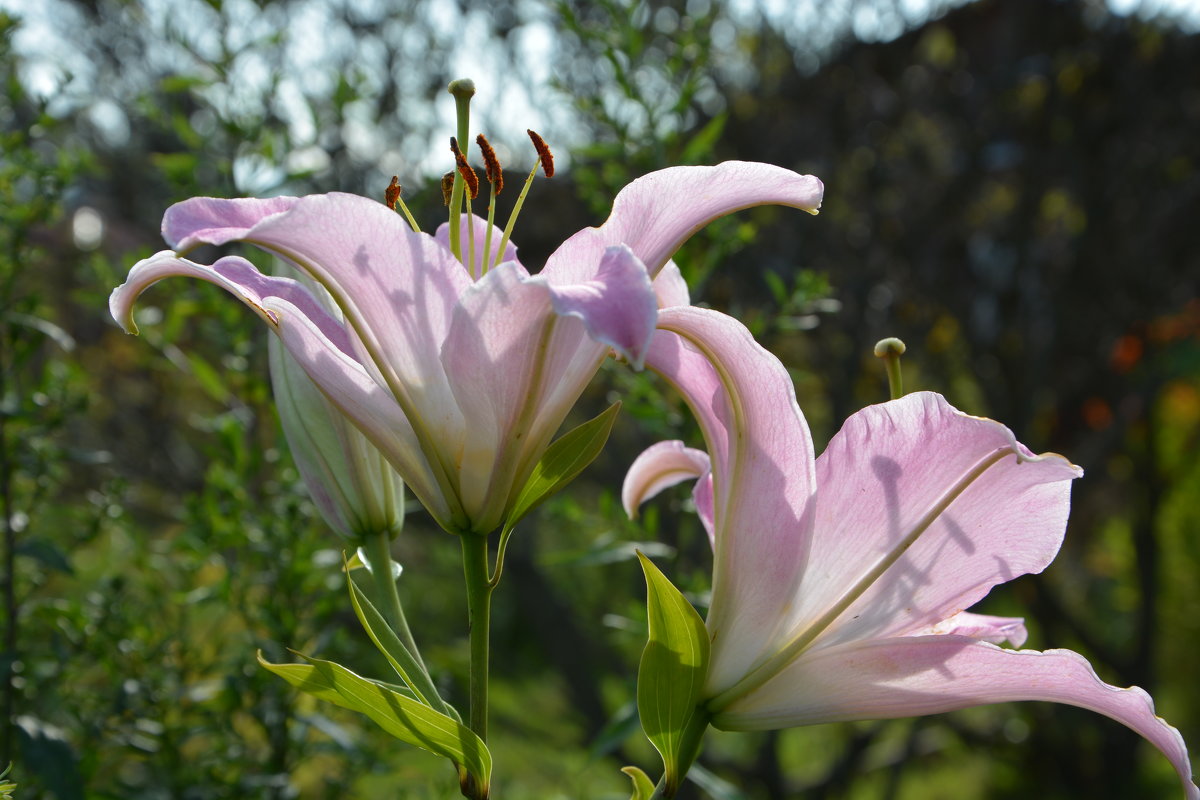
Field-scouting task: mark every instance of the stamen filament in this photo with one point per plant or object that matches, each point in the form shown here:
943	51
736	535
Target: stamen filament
487	239
512	218
774	665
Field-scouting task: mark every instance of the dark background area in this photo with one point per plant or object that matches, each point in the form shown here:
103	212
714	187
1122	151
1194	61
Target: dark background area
1011	187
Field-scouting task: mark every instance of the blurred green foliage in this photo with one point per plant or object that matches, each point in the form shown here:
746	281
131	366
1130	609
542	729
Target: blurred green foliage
1011	188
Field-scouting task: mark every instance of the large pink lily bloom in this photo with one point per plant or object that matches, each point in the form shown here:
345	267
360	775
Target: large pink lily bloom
461	382
840	582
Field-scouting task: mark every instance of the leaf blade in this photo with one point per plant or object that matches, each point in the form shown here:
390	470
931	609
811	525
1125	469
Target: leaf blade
562	462
401	715
671	676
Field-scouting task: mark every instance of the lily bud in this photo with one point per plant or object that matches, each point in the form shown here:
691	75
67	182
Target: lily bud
355	488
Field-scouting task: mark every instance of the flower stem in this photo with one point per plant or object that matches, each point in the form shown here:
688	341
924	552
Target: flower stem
479	602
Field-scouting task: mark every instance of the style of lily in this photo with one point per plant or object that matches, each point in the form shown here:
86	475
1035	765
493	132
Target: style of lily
460	381
840	582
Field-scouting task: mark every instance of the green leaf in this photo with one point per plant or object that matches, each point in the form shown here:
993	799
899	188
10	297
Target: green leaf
643	787
391	708
563	461
402	661
671	677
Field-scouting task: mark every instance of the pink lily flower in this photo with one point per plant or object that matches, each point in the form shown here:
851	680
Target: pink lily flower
840	582
460	382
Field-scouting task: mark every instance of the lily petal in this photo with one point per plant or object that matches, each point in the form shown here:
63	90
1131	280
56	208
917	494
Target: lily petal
617	306
670	287
763	478
984	627
913	676
657	213
536	336
317	341
215	220
442	235
396	288
908	454
235	275
659	467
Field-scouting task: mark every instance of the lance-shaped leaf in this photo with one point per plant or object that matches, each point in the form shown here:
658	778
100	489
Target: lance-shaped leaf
388	643
395	711
563	461
671	677
643	787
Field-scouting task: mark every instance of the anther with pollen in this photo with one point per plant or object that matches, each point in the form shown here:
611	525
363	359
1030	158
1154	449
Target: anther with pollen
545	157
465	169
491	164
495	176
447	187
546	162
391	197
471	181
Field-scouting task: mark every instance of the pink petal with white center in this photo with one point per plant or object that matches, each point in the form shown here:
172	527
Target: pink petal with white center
396	288
763	479
480	227
893	466
659	467
984	627
215	220
670	287
914	676
658	212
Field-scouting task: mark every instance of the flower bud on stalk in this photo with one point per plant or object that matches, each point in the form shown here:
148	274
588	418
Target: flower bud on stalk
356	490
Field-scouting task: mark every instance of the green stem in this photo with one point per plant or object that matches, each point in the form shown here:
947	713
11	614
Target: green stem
378	549
479	602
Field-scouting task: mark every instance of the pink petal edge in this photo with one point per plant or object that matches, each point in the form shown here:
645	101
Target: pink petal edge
915	676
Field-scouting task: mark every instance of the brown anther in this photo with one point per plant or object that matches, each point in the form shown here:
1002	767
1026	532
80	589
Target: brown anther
464	169
491	164
544	154
392	193
447	187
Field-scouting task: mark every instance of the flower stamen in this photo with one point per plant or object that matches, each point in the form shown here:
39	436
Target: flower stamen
546	162
495	177
471	179
391	198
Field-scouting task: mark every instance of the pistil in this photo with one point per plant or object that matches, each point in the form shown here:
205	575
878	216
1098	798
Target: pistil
462	89
890	350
